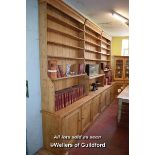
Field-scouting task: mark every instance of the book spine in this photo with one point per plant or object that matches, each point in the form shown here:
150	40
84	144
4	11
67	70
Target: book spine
71	96
61	70
78	68
58	72
60	104
56	102
62	100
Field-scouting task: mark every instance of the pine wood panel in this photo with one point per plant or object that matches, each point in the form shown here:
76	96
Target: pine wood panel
67	10
90	25
95	107
103	101
108	101
71	124
86	115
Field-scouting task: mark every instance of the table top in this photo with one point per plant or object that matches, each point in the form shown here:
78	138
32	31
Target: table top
124	94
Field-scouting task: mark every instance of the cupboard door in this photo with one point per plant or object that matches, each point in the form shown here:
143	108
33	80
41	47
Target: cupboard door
71	124
103	101
108	97
95	107
86	115
112	93
126	68
118	70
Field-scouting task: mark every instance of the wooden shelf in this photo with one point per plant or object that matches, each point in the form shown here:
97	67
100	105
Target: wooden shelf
91	35
105	54
62	57
94	44
97	60
96	76
73	76
106	60
105	42
87	27
104	38
49	16
65	34
105	48
61	44
93	59
93	51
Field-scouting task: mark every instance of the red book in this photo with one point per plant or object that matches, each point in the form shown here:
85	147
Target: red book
67	97
80	91
71	96
77	90
81	69
61	70
62	100
58	72
56	102
59	101
65	94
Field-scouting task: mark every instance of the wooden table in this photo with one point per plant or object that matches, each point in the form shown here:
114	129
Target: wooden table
123	97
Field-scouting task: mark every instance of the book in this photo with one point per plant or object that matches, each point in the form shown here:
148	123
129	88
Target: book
67	96
80	68
59	101
58	72
60	67
52	69
68	69
74	69
56	102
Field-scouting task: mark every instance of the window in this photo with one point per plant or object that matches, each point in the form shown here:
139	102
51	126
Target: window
125	47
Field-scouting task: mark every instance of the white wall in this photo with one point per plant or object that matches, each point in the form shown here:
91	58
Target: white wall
33	103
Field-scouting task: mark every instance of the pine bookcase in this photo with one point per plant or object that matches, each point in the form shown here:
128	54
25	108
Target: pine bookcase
70	38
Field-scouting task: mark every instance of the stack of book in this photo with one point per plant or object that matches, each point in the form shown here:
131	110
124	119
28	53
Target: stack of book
57	71
68	96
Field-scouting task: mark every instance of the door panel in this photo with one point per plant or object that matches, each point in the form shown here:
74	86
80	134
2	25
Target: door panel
103	100
71	124
95	107
86	115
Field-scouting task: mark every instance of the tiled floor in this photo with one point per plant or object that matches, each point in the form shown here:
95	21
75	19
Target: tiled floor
116	138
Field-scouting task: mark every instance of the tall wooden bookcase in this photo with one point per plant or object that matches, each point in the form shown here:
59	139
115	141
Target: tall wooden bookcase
70	38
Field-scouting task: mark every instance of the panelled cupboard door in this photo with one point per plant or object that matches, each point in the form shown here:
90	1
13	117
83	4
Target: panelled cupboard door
118	68
126	68
108	97
95	107
103	101
112	93
86	115
71	124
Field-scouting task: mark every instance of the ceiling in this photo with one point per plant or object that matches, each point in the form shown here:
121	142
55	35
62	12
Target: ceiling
100	12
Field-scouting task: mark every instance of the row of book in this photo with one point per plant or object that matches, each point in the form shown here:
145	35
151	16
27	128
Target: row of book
57	71
68	96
